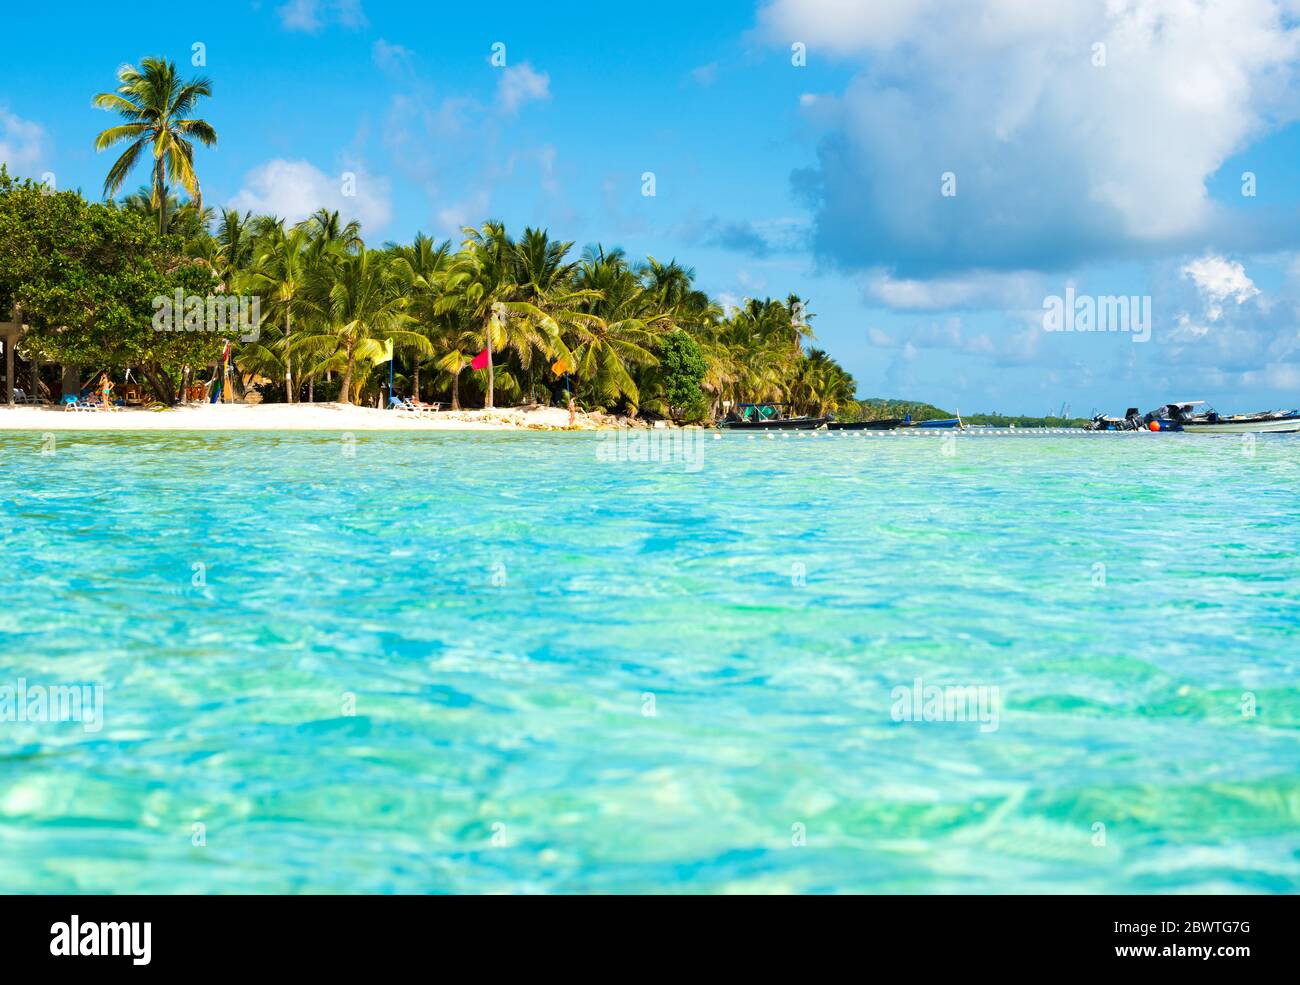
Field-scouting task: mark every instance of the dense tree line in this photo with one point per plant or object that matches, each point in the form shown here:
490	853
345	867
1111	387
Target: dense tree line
636	337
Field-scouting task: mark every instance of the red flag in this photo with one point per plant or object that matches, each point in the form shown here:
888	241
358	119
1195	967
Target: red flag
480	361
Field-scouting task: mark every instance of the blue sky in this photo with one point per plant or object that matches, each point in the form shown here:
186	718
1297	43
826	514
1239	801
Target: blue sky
1113	171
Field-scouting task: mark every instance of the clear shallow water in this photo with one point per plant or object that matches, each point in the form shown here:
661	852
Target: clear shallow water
502	608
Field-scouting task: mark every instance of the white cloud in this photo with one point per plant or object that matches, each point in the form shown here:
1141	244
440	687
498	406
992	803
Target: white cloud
1058	161
312	16
392	59
294	190
1224	328
521	84
976	289
1220	280
22	143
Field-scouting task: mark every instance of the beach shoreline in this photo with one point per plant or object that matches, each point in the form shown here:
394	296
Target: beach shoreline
302	417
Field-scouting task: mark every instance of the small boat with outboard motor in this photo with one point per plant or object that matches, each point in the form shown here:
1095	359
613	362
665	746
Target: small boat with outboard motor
882	424
894	424
768	417
1131	421
1262	422
1197	417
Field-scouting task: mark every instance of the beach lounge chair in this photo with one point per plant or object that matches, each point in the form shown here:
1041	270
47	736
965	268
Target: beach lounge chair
71	402
22	397
410	406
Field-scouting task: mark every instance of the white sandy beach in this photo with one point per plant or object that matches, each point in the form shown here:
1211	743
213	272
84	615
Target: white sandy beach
295	417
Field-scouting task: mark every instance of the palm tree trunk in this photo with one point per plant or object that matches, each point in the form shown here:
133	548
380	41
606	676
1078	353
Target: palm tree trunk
491	374
416	381
345	388
288	367
162	196
311	389
455	390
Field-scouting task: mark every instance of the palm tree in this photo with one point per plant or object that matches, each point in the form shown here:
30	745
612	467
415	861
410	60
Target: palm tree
185	219
234	243
363	307
328	231
454	351
425	267
280	275
799	317
623	320
548	281
487	294
156	105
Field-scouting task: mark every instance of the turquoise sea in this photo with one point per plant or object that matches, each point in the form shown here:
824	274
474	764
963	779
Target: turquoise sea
533	663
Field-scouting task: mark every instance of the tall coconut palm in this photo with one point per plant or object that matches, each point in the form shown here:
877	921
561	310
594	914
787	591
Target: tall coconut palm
235	244
156	105
363	307
548	281
487	294
280	276
425	268
623	322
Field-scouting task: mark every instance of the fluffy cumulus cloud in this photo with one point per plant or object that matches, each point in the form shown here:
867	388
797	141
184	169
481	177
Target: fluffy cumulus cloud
294	190
22	144
1074	130
1220	280
1225	333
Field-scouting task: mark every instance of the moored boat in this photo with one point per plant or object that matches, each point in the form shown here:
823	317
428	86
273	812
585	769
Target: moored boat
947	422
1131	421
885	424
1264	422
1196	417
768	417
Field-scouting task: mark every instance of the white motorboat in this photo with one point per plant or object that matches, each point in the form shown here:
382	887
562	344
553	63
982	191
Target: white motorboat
1265	422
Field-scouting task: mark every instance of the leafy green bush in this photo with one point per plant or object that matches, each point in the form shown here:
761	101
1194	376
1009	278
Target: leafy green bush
681	368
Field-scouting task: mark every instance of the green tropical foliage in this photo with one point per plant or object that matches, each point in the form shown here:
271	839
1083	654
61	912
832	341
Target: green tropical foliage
614	334
86	274
623	338
681	369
